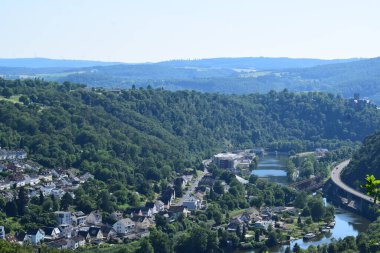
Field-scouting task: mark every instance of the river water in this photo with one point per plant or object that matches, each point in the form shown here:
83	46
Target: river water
272	168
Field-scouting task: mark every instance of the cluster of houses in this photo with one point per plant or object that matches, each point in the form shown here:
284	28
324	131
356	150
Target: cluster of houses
36	180
263	219
6	154
76	229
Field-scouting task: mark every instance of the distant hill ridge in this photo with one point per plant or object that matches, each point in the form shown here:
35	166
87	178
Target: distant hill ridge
241	62
346	77
50	63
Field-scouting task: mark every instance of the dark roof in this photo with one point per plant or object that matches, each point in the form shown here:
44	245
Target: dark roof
177	209
78	238
149	204
48	230
82	233
93	231
20	236
106	229
144	209
58	243
134	210
138	218
32	231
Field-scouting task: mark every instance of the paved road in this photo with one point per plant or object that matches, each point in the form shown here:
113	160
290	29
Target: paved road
191	189
335	177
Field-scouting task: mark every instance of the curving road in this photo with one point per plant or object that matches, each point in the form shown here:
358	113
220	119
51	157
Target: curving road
335	177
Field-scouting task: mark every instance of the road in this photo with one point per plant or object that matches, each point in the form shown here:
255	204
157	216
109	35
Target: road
191	189
335	177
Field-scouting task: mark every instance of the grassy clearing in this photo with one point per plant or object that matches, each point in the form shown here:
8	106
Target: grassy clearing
13	99
112	248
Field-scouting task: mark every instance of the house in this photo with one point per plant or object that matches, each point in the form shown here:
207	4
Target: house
263	224
35	236
86	177
176	211
124	226
192	204
2	232
78	218
3	154
5	185
20	237
266	213
152	207
168	197
60	244
47	189
51	233
34	180
94	218
84	234
116	215
2	167
18	179
146	211
249	217
141	223
108	232
135	211
187	178
63	217
235	224
155	207
21	154
66	230
159	205
46	177
78	241
95	233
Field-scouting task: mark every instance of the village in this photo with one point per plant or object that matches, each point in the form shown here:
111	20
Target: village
76	229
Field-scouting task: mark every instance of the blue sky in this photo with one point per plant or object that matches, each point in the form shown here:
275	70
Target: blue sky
154	30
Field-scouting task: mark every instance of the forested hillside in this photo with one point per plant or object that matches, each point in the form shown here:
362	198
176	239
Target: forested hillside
140	134
365	162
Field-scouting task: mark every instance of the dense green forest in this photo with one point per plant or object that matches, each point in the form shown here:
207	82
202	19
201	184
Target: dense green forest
366	161
140	134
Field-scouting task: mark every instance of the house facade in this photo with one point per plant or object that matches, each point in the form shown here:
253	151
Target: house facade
35	236
63	217
124	226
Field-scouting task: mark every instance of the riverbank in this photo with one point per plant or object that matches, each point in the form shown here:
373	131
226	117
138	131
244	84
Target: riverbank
346	223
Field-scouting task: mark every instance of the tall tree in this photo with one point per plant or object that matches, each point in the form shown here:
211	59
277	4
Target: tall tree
145	246
11	208
22	201
371	187
66	201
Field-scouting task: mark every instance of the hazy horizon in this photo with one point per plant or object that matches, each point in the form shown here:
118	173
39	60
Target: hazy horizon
195	59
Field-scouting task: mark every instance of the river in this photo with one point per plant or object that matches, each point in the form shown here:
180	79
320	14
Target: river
272	168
